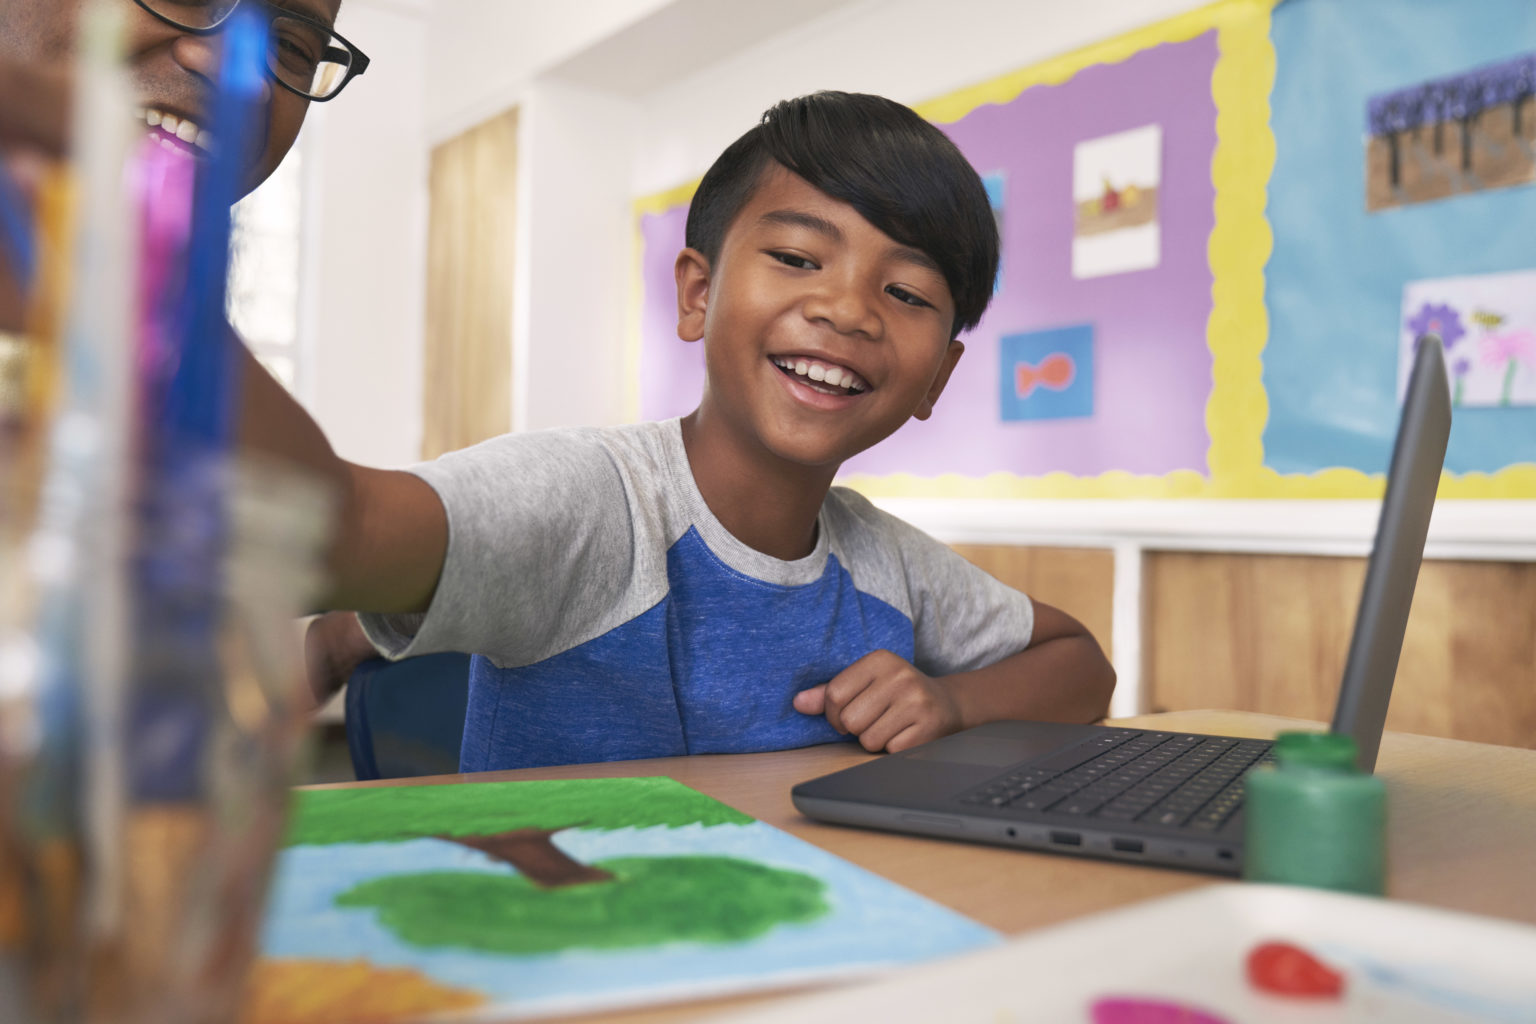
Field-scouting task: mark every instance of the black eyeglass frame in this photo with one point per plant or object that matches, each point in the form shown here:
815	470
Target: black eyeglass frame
357	66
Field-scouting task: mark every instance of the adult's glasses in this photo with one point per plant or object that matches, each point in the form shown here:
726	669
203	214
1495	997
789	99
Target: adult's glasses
304	55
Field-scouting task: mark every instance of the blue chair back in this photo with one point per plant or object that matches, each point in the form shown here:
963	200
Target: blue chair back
406	717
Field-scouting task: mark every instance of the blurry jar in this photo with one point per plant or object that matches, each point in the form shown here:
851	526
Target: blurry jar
1314	818
145	779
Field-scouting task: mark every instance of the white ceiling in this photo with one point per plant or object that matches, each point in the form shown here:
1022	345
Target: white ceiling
682	37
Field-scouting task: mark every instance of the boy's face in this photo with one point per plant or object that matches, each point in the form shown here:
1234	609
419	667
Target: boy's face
822	335
173	71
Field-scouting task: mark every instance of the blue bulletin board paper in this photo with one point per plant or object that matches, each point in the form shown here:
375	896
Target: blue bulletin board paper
1335	282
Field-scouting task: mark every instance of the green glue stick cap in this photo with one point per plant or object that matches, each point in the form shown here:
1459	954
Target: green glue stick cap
1316	750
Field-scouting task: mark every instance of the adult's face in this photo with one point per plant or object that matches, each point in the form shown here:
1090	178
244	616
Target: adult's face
173	71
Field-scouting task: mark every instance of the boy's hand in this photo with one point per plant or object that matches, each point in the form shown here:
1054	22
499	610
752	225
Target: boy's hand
884	701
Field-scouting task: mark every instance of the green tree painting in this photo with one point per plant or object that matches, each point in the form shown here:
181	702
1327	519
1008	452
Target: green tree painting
551	901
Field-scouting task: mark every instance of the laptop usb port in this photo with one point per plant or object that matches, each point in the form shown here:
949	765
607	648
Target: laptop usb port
1067	838
1128	845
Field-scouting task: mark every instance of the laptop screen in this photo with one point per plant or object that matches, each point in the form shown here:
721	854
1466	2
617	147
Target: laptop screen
1413	476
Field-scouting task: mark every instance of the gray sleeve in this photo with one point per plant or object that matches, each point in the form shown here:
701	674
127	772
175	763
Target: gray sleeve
963	618
530	518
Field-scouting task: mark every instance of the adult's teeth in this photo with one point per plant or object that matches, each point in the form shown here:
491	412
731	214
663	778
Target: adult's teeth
817	373
204	140
170	122
834	376
187	131
802	367
153	118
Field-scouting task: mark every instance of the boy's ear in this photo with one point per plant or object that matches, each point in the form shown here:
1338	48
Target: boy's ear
952	356
692	274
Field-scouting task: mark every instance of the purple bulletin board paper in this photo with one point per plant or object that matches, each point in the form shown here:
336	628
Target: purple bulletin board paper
671	370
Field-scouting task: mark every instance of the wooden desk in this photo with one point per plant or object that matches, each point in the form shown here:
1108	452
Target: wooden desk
1461	822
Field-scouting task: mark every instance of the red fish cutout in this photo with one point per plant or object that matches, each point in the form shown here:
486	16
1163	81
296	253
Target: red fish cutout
1056	371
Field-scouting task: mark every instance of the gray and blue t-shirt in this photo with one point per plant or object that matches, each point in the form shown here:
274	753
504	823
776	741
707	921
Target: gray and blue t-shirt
613	617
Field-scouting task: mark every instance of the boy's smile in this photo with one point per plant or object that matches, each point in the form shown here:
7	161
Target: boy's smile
822	334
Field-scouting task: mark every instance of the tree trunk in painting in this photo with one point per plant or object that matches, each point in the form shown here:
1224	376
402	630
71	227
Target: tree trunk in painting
531	852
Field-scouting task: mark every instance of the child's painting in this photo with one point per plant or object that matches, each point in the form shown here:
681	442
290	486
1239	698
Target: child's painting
1488	326
1454	135
515	899
1046	375
1115	182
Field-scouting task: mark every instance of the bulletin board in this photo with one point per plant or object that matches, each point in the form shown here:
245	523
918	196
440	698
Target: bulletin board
1143	341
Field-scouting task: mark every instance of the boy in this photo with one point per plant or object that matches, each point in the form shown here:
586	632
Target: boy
697	586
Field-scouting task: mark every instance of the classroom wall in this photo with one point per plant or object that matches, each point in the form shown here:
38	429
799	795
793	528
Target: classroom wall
364	268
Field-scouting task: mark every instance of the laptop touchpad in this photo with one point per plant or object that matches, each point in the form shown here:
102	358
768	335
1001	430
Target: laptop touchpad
985	750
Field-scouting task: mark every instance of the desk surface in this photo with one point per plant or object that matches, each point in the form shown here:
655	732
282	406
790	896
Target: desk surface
1461	825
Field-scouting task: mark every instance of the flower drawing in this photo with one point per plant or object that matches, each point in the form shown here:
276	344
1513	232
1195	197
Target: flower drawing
1508	349
1441	320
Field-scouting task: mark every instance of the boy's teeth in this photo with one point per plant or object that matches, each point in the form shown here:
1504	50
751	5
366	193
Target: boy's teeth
835	376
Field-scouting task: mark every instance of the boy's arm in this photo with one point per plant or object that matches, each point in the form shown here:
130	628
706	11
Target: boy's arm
391	531
1062	676
889	704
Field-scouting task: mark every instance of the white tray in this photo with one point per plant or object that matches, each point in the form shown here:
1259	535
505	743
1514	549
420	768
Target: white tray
1402	963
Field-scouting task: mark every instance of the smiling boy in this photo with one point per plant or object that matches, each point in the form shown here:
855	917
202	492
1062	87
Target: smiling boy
698	585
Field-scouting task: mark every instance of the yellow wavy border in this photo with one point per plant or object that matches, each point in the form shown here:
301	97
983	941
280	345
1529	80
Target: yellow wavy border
1238	249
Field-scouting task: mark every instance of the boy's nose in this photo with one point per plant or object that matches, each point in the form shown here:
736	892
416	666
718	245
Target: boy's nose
844	308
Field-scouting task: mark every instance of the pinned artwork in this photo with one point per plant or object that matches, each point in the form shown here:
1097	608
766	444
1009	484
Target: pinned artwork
1451	136
1046	375
1487	324
1115	181
514	899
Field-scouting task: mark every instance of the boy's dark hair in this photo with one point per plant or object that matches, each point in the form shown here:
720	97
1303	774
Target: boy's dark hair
898	171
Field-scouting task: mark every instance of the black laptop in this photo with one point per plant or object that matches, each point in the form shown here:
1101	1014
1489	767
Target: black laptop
1166	798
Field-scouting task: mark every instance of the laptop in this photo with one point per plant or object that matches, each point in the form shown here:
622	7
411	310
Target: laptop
1155	797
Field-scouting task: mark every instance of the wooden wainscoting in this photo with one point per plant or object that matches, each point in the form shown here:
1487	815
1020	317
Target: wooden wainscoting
1270	633
1079	581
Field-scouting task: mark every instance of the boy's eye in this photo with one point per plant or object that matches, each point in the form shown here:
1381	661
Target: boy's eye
790	259
900	293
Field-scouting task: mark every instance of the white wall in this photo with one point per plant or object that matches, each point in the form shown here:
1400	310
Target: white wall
482	54
366	164
909	50
574	257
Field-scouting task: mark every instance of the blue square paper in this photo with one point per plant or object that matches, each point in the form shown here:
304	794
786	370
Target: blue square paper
1046	375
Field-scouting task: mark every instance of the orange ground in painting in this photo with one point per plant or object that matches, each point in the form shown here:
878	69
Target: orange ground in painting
345	992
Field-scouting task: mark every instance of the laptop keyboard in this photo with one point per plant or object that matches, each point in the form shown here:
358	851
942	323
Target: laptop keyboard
1155	778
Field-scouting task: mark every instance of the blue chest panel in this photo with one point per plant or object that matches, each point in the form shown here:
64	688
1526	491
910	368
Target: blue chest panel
711	668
